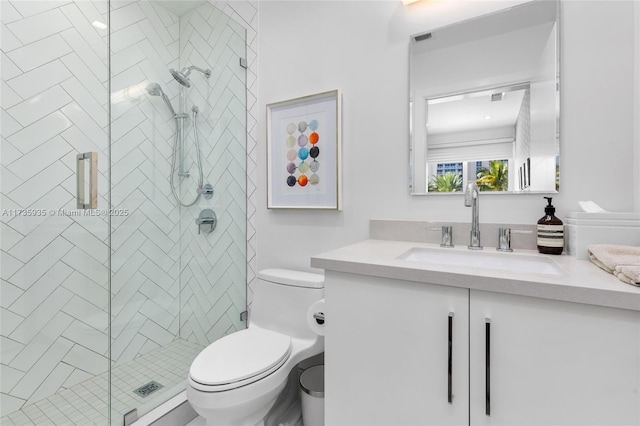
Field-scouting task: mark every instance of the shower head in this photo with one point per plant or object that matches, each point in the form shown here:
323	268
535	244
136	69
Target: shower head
182	77
154	89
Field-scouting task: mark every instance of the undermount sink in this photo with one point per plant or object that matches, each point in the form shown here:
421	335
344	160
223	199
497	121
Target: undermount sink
507	262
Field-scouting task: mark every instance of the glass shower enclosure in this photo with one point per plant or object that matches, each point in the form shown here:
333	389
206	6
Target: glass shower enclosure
118	262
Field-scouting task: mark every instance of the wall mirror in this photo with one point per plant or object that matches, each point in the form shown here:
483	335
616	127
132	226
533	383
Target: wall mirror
484	103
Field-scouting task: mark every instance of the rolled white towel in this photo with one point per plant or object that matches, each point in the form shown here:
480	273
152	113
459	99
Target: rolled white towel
608	256
628	273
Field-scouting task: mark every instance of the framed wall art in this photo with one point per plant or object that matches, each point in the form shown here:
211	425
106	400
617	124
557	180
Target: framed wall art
304	153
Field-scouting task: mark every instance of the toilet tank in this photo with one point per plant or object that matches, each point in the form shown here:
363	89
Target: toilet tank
281	299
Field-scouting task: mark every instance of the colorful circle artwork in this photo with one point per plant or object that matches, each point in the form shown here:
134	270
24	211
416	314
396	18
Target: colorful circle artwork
305	135
303	153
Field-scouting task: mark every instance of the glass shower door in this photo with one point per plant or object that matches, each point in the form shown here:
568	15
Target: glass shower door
175	75
54	155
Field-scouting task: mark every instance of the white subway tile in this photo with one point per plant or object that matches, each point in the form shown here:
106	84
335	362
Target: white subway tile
48	361
87	312
39	26
86	77
84	359
87	336
10	377
85	264
39	185
39	79
156	333
8	69
33	7
8	97
86	124
76	377
9	125
35	160
42	130
160	28
40	105
40	52
81	143
87	289
9	40
86	53
40	290
50	385
83	24
126	37
79	237
41	321
30	272
9	321
8	12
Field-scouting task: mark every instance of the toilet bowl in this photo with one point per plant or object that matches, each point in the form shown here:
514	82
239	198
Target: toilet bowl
236	380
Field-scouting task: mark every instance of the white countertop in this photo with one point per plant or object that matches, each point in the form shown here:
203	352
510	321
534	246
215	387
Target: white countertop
580	281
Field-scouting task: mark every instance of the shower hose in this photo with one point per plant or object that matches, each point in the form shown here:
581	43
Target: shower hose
179	125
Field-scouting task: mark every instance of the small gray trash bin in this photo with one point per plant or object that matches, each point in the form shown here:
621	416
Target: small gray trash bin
312	395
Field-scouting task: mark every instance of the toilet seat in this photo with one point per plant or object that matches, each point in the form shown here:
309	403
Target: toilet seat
239	359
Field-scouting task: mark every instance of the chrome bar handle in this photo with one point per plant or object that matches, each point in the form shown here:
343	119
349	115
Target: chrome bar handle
487	366
450	362
93	180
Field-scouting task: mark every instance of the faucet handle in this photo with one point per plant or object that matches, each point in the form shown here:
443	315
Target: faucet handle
504	239
447	235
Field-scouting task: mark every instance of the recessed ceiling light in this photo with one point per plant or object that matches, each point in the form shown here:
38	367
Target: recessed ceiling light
487	117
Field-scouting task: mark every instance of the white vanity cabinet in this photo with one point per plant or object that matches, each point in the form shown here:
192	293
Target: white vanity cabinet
550	362
387	352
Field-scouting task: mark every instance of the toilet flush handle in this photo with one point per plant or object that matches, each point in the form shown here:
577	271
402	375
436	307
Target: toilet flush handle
319	317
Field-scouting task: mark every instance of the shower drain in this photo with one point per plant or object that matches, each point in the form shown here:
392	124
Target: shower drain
148	389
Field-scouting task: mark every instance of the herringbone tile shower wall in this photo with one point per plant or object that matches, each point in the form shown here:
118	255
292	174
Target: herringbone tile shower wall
213	290
54	267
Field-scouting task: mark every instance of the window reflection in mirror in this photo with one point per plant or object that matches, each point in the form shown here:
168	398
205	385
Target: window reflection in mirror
484	103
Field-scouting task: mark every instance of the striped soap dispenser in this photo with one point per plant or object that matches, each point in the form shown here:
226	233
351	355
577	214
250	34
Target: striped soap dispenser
550	231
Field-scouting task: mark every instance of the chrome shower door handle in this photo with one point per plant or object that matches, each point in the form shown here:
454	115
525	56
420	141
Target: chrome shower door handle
93	180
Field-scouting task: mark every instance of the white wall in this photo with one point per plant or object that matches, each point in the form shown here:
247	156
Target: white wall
361	48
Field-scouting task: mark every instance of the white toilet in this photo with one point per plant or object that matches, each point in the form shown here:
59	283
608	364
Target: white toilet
236	380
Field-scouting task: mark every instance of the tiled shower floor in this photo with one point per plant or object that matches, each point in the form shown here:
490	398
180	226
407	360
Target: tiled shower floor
86	402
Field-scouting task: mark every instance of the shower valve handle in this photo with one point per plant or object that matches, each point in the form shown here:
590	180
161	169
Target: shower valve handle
207	221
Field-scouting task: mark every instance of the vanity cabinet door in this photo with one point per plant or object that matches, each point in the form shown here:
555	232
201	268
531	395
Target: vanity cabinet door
552	363
387	352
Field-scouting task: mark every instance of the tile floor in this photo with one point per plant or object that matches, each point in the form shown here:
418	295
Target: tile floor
86	402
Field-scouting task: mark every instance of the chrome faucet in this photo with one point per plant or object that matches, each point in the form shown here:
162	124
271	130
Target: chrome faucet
471	199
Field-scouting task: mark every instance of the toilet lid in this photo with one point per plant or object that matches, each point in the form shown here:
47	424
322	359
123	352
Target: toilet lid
240	356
